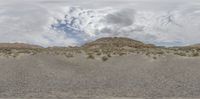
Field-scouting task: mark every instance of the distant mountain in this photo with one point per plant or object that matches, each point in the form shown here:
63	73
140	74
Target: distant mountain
117	42
190	46
18	45
194	46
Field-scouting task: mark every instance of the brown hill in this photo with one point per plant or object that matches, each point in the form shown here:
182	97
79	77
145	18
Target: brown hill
116	42
18	45
195	45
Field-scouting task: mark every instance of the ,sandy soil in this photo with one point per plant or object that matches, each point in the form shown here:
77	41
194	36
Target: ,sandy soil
46	76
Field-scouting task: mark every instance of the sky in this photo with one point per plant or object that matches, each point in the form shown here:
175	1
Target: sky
75	22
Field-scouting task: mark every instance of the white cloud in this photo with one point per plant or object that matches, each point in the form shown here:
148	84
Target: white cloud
161	22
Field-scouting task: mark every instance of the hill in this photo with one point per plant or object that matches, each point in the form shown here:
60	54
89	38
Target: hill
116	42
195	46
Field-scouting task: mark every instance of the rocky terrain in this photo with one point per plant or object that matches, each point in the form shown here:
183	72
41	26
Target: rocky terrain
108	68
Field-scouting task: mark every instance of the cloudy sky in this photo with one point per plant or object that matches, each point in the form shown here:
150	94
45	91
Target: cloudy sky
74	22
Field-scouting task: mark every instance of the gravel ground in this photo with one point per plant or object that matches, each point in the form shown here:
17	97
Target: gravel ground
46	76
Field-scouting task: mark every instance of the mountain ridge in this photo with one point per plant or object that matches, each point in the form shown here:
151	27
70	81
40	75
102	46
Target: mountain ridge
109	42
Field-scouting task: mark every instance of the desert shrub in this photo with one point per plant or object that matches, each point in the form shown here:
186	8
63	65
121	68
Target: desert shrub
6	51
15	55
148	53
90	56
78	51
195	54
109	55
57	53
155	57
160	52
131	51
181	54
26	51
69	55
104	58
168	52
98	53
33	53
122	53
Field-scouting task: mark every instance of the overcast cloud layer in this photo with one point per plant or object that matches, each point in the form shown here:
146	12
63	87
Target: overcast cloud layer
74	22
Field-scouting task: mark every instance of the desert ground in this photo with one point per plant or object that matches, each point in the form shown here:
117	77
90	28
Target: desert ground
102	69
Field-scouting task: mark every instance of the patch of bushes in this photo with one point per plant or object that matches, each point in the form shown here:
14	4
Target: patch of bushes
195	54
181	54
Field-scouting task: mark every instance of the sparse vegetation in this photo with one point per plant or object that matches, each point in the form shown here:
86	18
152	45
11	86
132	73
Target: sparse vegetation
104	47
98	53
69	55
155	57
148	54
160	52
104	58
15	55
122	53
109	55
91	56
195	54
181	53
